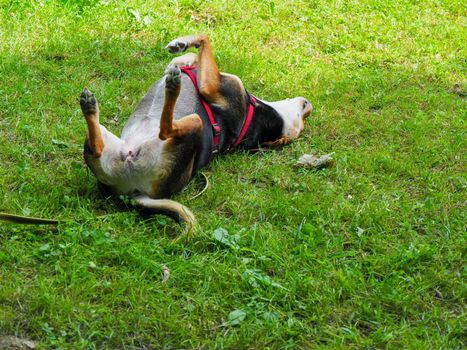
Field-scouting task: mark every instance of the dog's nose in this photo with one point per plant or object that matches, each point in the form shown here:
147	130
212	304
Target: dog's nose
307	108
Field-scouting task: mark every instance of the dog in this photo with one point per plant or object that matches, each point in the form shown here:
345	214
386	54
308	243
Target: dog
190	115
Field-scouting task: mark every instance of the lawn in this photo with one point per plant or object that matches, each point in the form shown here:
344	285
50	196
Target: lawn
367	254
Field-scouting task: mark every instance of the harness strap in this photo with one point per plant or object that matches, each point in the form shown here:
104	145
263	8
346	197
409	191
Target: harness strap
188	70
247	121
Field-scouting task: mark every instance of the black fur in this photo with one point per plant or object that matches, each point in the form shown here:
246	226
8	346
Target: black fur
266	124
184	155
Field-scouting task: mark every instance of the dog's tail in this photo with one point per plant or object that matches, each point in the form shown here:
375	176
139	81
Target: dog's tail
167	207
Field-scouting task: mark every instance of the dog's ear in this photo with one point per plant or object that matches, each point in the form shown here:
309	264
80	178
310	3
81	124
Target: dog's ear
283	140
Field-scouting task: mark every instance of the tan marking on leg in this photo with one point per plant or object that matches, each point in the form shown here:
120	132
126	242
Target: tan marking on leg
94	137
167	125
90	110
190	124
208	73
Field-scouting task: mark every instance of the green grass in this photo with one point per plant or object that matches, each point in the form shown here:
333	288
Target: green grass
368	254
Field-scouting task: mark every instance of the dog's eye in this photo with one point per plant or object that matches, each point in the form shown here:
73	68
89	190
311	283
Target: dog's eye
305	103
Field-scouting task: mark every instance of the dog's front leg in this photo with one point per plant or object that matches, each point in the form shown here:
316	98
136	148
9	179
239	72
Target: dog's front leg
208	72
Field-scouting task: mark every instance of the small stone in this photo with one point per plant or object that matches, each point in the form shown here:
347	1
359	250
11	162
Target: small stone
165	274
10	342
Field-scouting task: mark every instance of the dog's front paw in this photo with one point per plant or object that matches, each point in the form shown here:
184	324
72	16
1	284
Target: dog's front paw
88	102
177	46
173	79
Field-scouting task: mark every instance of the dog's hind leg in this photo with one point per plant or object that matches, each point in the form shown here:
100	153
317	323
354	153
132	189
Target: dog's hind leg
208	73
90	110
101	146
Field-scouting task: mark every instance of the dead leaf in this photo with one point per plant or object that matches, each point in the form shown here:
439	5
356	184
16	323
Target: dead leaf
10	342
314	162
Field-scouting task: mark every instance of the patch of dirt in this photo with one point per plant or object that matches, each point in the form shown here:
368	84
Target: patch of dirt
458	90
10	342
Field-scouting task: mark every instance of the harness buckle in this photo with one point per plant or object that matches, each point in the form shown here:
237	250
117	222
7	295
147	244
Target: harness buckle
217	129
252	100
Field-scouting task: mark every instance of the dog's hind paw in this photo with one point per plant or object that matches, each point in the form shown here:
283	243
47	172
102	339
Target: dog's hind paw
186	60
173	78
88	102
178	45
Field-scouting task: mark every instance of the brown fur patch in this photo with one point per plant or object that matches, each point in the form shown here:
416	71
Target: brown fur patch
94	136
190	124
208	73
166	124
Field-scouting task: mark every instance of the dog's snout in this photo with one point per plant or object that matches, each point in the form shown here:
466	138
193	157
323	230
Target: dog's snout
306	104
307	108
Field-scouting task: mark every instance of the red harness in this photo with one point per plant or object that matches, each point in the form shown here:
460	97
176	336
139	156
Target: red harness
215	126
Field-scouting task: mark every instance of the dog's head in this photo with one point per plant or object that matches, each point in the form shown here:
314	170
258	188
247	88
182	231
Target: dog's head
293	111
283	120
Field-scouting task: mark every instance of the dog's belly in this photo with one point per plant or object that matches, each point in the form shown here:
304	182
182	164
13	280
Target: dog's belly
136	162
145	119
131	167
